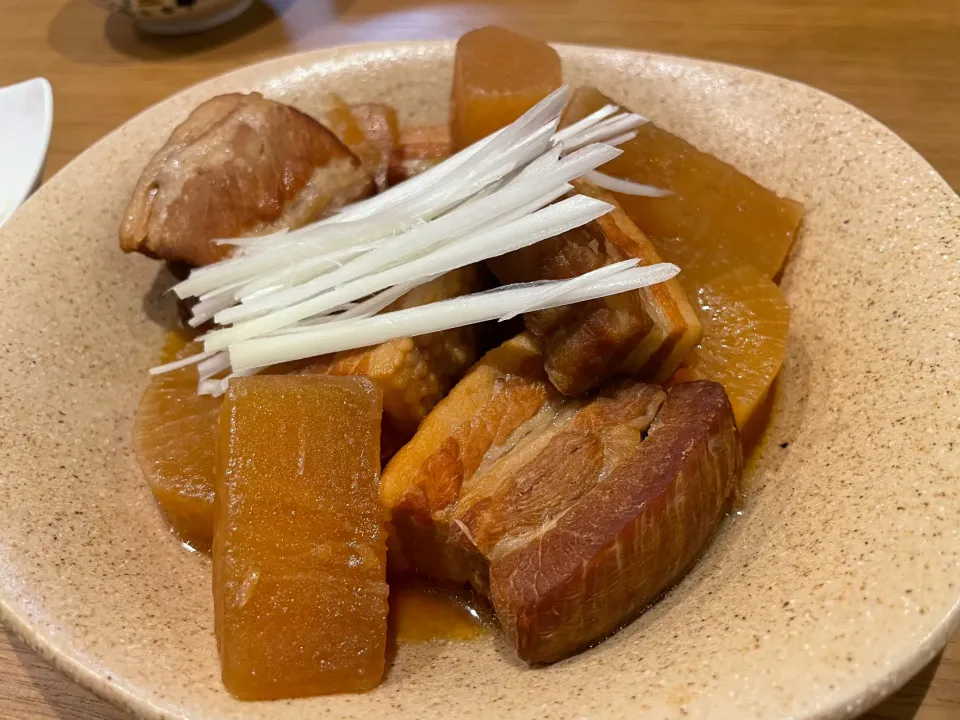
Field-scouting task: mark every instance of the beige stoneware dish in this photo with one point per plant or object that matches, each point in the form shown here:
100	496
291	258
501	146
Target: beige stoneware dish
839	579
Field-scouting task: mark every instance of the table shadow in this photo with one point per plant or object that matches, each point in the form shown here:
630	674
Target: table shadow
159	304
64	697
906	702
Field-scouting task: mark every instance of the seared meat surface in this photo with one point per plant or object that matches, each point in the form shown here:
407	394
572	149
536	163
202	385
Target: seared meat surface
238	165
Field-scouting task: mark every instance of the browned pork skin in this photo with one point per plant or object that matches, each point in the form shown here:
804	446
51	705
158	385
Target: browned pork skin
645	333
238	165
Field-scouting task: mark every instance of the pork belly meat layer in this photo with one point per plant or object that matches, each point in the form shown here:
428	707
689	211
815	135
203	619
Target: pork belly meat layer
499	400
238	165
600	561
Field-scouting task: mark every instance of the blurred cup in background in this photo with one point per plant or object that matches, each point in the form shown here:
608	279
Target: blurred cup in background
177	17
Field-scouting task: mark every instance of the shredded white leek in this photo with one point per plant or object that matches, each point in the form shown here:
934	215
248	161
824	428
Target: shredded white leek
561	288
434	317
627	187
178	364
319	289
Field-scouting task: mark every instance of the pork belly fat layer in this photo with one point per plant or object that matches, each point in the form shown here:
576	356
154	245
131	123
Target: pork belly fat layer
495	403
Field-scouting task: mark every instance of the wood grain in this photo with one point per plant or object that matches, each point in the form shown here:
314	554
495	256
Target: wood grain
896	60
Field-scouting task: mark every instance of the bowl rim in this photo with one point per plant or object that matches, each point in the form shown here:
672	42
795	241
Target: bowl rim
884	682
30	180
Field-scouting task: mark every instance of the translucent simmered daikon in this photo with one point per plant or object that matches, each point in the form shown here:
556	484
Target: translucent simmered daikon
497	76
299	549
175	437
715	217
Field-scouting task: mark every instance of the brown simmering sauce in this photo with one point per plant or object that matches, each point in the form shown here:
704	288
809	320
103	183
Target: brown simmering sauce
422	612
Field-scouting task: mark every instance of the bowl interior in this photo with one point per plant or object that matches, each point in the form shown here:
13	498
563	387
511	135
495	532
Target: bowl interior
836	581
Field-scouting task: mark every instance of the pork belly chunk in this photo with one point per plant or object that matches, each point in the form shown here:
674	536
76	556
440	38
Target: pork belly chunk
501	399
571	514
595	565
238	165
644	333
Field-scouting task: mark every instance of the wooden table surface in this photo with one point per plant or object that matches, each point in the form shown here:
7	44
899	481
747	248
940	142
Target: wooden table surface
897	60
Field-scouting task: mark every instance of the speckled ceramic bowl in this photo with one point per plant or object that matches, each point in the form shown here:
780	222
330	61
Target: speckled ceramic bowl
839	580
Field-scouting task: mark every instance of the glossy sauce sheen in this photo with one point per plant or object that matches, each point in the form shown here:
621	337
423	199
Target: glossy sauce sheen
419	612
422	612
299	549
